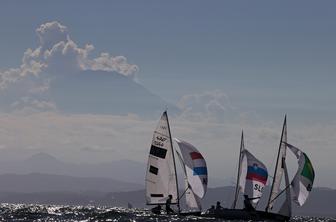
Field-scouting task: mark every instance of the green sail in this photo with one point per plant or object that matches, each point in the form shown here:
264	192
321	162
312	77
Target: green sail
308	171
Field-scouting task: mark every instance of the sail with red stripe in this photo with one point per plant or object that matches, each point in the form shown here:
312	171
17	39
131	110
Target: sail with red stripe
256	173
253	177
196	155
192	201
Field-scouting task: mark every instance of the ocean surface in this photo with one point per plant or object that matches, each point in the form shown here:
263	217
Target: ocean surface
34	212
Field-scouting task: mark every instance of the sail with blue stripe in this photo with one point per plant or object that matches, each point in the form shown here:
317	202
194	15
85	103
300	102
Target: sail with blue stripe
196	168
253	176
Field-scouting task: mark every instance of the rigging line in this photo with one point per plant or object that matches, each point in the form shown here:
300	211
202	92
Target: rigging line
185	191
280	193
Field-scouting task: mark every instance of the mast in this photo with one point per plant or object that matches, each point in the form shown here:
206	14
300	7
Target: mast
171	142
276	165
238	173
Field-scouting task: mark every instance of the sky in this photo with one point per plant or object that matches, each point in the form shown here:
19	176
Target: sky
226	65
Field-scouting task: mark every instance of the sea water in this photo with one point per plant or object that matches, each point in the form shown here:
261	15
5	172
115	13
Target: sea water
35	212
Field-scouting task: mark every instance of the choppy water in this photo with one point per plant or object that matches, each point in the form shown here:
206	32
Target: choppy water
23	212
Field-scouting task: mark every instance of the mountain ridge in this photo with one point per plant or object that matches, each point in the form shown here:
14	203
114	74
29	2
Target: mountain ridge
38	182
44	163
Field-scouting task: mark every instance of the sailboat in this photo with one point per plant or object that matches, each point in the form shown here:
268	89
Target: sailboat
301	185
161	177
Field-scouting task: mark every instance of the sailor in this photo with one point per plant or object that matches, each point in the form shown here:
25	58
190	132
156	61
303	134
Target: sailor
247	203
168	203
157	209
211	210
219	208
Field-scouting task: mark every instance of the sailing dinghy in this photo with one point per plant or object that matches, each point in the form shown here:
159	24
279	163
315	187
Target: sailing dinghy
301	184
161	177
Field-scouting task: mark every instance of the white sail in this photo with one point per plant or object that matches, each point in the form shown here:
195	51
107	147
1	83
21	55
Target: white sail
286	208
279	168
253	176
192	200
196	168
161	176
242	147
304	178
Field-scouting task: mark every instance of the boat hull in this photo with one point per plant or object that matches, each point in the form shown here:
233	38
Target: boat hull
191	213
239	214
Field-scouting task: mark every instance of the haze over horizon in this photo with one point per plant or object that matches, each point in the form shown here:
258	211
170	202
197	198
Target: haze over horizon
90	89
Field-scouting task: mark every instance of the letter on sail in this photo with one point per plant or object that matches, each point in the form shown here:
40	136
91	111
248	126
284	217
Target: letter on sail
196	169
253	176
160	175
304	178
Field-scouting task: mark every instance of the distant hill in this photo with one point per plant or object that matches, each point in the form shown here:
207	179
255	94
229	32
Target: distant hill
43	163
36	182
321	202
318	204
123	170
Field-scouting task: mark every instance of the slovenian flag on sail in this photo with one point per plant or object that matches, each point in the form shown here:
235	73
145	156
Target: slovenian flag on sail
257	173
304	178
196	169
253	176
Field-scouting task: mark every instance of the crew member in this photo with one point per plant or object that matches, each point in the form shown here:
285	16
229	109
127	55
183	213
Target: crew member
168	203
211	210
247	203
219	208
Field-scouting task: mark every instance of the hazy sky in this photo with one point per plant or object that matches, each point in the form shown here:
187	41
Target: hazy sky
226	64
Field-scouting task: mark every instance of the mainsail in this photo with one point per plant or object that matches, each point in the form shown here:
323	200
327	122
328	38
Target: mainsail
279	168
196	169
286	208
242	147
253	176
161	179
304	178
